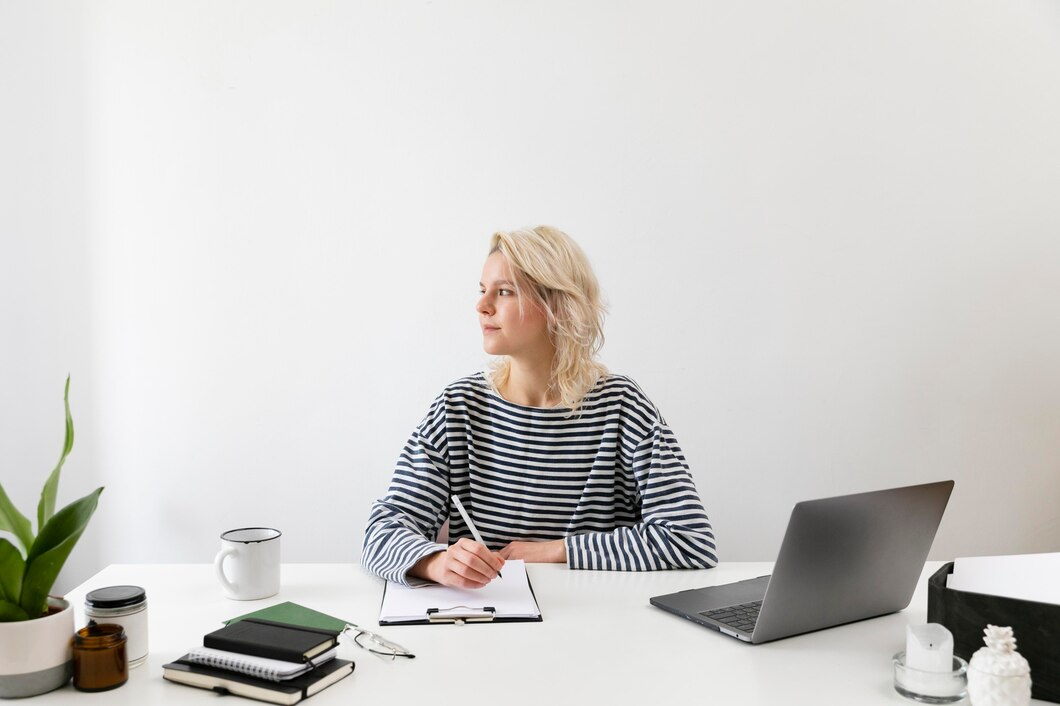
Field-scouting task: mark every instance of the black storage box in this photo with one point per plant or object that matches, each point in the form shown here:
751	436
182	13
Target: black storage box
1035	625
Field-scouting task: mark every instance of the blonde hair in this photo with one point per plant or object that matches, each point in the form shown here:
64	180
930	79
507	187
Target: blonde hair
552	272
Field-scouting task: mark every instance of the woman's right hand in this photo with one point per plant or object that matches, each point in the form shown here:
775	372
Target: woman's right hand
466	564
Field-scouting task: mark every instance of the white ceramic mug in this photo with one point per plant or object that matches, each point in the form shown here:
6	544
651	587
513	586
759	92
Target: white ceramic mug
252	569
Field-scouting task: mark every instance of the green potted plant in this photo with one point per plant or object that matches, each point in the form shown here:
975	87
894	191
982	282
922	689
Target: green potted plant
36	629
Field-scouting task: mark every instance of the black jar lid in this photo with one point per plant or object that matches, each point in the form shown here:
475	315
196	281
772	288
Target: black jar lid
115	597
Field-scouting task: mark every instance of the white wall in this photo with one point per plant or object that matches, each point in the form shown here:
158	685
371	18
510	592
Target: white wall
828	232
45	306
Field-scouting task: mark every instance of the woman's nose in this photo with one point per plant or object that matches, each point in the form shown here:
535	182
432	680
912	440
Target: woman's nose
485	305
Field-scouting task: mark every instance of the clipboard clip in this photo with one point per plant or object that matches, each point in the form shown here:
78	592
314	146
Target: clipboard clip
461	614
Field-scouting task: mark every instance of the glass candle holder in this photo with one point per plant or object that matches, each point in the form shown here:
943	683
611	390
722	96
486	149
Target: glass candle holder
100	660
125	606
931	687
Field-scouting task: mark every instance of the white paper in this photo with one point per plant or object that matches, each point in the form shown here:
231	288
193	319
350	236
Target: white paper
510	596
1029	577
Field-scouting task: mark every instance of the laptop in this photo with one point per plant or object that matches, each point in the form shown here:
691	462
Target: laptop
843	559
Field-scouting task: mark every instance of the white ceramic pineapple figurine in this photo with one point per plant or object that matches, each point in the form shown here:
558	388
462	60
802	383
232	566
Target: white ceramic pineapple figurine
997	674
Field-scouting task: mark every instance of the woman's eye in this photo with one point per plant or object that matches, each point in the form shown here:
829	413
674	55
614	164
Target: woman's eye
505	292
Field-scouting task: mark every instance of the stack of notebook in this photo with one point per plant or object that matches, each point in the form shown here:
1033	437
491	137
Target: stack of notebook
264	660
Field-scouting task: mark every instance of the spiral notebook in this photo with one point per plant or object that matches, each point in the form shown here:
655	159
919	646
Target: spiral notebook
260	667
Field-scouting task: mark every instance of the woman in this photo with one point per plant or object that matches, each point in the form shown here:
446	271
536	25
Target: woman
555	459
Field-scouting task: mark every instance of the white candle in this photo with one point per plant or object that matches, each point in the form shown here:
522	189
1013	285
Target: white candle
929	648
925	672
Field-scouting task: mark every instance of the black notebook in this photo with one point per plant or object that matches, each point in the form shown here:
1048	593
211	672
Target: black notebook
278	692
264	638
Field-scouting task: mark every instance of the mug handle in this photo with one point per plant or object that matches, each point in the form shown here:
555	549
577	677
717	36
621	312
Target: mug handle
219	568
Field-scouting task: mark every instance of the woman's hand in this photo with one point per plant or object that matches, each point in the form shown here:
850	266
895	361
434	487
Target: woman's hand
552	552
466	564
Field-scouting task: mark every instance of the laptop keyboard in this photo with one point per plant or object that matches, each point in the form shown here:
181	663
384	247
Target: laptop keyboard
742	617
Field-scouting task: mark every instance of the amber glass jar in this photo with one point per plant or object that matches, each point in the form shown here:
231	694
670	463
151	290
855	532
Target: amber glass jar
100	660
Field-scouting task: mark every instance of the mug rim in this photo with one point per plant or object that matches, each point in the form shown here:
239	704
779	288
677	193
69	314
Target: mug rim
225	538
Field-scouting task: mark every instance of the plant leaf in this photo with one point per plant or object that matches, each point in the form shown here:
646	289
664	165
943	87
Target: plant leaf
12	567
13	521
51	548
46	507
9	612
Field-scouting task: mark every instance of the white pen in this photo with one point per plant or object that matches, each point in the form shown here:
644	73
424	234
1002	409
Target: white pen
470	524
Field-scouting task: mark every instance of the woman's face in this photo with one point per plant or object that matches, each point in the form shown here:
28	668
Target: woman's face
504	330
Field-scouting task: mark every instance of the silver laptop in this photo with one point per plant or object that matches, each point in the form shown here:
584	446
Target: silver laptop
843	559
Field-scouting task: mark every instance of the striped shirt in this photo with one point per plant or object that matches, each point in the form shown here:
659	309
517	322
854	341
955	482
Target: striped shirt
610	480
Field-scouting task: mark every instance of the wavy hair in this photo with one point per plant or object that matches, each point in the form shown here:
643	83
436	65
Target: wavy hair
551	271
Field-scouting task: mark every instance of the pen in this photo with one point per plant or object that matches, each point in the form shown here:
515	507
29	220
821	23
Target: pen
470	524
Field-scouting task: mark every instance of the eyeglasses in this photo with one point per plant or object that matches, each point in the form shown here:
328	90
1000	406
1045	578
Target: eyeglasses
376	644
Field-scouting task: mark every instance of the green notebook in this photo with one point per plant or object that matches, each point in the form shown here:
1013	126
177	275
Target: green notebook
294	614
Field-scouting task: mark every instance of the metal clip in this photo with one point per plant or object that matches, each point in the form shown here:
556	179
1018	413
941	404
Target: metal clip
461	615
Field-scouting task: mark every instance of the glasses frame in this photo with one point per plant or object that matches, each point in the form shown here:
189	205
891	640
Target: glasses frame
377	644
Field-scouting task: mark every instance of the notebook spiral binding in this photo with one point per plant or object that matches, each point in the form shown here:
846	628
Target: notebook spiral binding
233	662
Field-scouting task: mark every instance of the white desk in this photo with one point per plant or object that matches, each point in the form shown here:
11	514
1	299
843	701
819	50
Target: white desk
601	642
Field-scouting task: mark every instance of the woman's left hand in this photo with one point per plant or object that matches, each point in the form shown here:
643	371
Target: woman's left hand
553	552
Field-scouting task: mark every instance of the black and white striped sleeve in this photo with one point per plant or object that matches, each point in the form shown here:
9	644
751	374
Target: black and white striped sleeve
415	506
674	531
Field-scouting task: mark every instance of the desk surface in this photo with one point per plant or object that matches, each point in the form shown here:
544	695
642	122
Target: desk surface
600	642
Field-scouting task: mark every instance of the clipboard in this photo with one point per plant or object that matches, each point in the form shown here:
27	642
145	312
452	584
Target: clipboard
504	600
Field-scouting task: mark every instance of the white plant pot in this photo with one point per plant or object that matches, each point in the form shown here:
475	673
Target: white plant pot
36	655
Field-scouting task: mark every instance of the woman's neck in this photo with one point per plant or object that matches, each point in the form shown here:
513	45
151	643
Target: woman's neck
529	383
